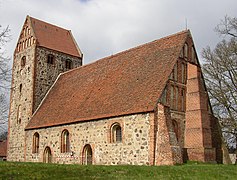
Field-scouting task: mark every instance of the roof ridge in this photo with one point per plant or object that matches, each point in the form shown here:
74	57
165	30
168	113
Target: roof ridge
128	50
32	18
58	38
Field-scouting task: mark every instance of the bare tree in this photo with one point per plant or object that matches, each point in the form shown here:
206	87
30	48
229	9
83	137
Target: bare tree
5	76
220	72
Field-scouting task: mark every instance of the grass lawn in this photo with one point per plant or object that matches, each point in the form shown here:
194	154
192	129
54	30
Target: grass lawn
19	170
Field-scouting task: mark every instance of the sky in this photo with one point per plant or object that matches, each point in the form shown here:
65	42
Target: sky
105	27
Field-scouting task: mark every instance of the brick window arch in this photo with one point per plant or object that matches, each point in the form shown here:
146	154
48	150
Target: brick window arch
116	133
35	148
65	141
23	61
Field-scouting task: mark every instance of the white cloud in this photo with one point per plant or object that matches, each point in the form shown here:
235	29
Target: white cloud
105	27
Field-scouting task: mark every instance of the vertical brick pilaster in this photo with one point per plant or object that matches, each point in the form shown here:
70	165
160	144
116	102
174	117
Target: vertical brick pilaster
168	150
198	131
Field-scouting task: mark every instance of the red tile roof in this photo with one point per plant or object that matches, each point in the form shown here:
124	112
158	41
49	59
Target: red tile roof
126	83
54	37
3	148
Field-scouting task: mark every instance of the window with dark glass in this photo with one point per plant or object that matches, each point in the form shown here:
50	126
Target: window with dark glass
68	64
50	59
35	148
65	143
23	61
116	133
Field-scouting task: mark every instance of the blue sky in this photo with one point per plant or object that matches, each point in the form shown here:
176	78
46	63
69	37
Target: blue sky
105	27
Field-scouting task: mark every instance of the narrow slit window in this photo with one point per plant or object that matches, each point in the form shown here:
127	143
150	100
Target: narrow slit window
50	59
23	61
68	64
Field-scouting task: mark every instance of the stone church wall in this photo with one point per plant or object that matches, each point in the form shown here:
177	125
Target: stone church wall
46	73
20	102
134	148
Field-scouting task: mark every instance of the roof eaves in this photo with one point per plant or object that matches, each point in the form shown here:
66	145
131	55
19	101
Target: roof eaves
45	97
90	119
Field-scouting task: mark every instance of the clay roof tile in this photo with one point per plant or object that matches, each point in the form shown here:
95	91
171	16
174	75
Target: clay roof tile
126	83
54	37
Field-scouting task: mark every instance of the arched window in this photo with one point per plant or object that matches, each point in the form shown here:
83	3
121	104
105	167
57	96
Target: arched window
68	64
116	133
176	129
87	155
65	143
23	61
50	59
47	156
35	148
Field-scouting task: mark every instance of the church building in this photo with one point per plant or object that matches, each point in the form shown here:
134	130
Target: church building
147	105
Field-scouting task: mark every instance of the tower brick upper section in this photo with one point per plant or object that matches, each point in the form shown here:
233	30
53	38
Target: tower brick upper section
48	36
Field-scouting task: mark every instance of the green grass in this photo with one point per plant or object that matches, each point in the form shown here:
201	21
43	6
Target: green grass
19	170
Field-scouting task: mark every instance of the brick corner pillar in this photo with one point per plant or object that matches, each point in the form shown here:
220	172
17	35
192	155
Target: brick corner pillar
198	132
168	152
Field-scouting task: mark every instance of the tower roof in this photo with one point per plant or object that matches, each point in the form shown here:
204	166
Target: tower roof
126	83
54	37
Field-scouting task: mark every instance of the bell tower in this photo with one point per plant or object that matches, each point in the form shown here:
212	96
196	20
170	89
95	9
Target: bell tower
43	51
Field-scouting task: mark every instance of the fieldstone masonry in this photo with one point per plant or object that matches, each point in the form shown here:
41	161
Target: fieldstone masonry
46	73
134	148
31	79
